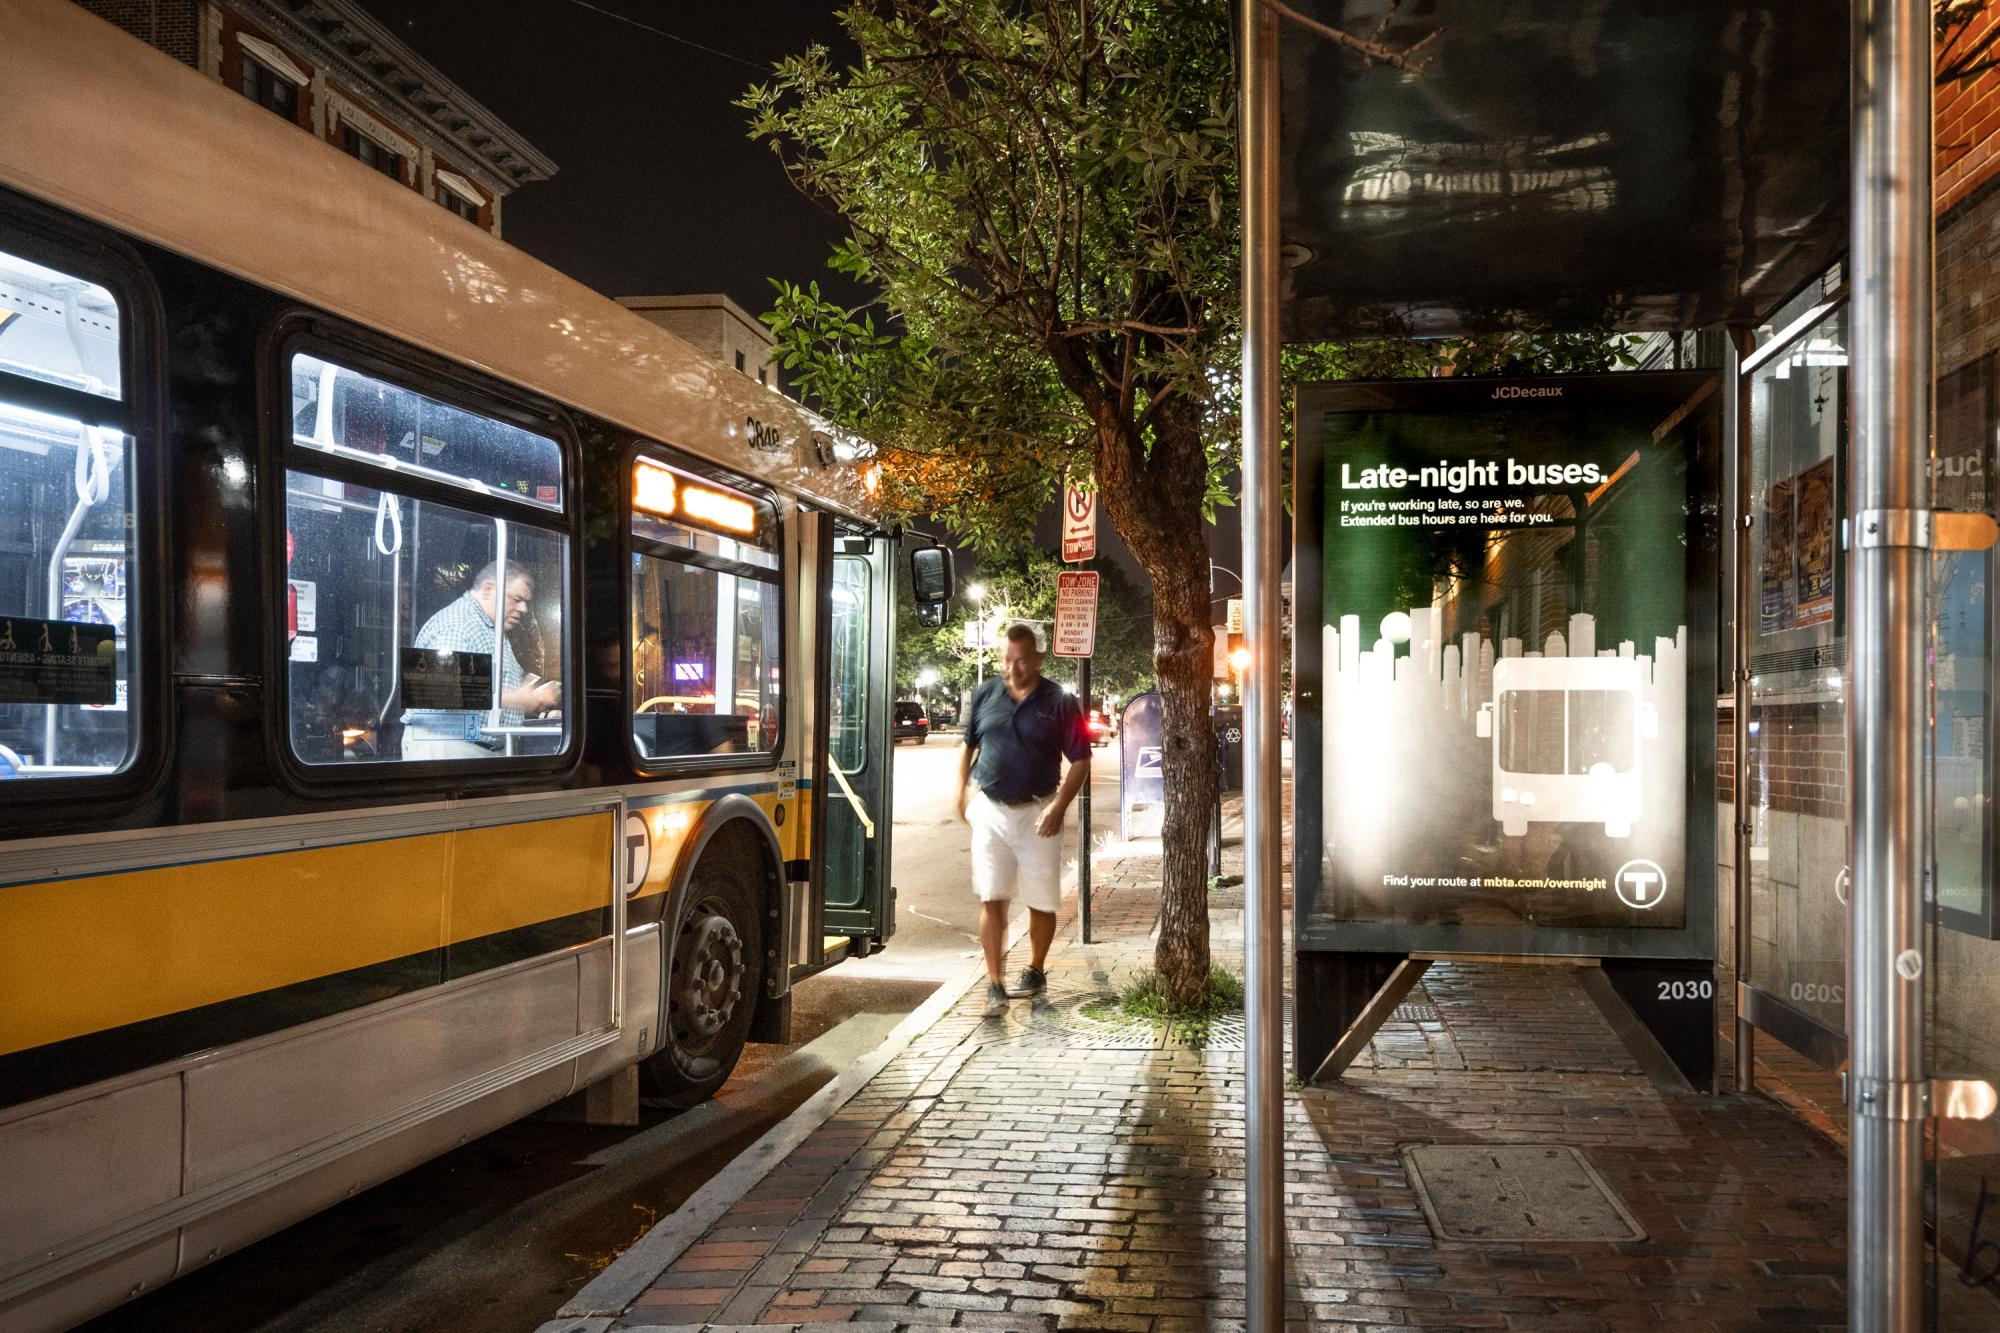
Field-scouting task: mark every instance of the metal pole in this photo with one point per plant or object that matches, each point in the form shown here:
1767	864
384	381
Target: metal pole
1083	811
1263	626
1741	342
1888	562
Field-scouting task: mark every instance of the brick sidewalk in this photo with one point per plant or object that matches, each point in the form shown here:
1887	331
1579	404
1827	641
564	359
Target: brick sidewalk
1048	1172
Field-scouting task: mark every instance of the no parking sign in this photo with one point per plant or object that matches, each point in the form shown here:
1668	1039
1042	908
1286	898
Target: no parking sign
1079	525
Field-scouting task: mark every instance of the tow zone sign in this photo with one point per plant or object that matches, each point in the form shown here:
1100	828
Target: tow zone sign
1076	613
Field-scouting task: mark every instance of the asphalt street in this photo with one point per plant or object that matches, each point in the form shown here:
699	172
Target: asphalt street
499	1233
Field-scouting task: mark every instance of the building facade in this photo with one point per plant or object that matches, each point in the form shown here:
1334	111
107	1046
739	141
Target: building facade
717	326
341	76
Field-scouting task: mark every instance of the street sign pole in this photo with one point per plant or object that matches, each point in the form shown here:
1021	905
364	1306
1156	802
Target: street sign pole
1083	812
1079	546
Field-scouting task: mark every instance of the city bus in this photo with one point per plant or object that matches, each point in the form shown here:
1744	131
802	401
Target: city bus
427	690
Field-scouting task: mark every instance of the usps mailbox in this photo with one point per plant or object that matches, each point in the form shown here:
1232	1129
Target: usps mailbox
1141	771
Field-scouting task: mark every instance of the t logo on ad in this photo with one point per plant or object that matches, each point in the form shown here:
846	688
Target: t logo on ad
1640	884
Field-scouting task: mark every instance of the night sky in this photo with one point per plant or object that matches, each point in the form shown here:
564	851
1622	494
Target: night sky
658	188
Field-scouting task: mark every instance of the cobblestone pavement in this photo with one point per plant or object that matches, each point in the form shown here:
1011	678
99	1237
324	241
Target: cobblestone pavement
1047	1172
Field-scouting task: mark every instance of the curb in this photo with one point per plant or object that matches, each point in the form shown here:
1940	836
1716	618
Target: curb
612	1292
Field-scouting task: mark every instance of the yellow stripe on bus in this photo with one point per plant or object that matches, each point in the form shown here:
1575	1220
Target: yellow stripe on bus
84	955
670	826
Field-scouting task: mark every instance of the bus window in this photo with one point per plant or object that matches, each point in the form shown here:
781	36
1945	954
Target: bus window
706	617
397	611
350	415
705	659
417	629
67	658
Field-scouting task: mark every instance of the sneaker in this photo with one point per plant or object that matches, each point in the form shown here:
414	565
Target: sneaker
996	999
1032	982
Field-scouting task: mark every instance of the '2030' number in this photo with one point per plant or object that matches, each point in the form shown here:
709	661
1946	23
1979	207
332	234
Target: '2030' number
1687	990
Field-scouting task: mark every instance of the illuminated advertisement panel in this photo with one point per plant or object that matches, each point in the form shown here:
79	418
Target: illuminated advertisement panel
1505	628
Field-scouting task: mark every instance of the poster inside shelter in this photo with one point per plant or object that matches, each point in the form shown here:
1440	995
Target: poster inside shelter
1778	579
1506	665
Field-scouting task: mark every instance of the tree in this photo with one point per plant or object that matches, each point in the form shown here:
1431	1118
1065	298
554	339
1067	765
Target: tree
1042	196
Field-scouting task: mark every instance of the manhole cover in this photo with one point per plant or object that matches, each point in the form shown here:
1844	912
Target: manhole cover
1515	1192
1416	1013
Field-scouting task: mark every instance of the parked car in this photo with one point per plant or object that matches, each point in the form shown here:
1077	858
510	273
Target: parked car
911	723
1102	728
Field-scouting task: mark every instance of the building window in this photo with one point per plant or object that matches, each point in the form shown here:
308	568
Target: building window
739	363
364	149
270	89
68	645
458	204
418	628
763	376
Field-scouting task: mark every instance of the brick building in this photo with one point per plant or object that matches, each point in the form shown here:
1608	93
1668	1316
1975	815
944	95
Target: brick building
341	76
716	325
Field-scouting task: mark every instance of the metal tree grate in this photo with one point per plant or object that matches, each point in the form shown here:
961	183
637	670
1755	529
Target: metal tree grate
1094	1021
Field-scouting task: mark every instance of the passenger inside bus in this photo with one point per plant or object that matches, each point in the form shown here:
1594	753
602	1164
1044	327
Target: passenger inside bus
468	625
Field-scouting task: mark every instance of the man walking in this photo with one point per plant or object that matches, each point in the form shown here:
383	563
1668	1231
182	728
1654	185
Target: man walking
1019	730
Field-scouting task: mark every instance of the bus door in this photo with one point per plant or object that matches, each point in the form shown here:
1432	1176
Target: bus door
852	778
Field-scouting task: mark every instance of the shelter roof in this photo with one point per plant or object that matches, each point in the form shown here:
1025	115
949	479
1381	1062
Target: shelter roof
1639	164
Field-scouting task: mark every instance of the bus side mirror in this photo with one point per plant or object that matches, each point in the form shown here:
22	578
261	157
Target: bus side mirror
1482	722
933	581
1649	722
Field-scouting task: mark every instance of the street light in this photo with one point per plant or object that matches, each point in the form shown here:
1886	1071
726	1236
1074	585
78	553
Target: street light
1239	662
1213	570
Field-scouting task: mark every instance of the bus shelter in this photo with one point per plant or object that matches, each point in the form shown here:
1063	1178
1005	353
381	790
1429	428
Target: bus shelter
1759	172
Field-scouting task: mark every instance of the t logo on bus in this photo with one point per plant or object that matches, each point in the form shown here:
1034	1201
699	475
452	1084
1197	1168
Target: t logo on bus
1640	884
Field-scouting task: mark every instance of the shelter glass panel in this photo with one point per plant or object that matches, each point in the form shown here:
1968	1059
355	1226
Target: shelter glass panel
1964	971
1794	778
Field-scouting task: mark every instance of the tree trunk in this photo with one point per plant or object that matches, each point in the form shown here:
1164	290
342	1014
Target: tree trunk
1183	656
1154	497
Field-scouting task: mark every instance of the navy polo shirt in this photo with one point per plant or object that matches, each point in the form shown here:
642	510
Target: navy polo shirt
1021	745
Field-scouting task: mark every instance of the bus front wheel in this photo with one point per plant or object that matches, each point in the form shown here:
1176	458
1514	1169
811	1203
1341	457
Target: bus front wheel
714	971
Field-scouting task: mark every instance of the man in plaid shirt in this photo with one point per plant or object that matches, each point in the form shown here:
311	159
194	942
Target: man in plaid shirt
466	626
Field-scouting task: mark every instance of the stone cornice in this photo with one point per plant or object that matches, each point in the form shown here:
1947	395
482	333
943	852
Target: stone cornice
356	50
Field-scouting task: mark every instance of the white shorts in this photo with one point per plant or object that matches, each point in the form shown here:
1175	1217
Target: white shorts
1010	858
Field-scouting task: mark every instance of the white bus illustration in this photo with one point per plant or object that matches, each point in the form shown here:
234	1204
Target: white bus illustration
1567	734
